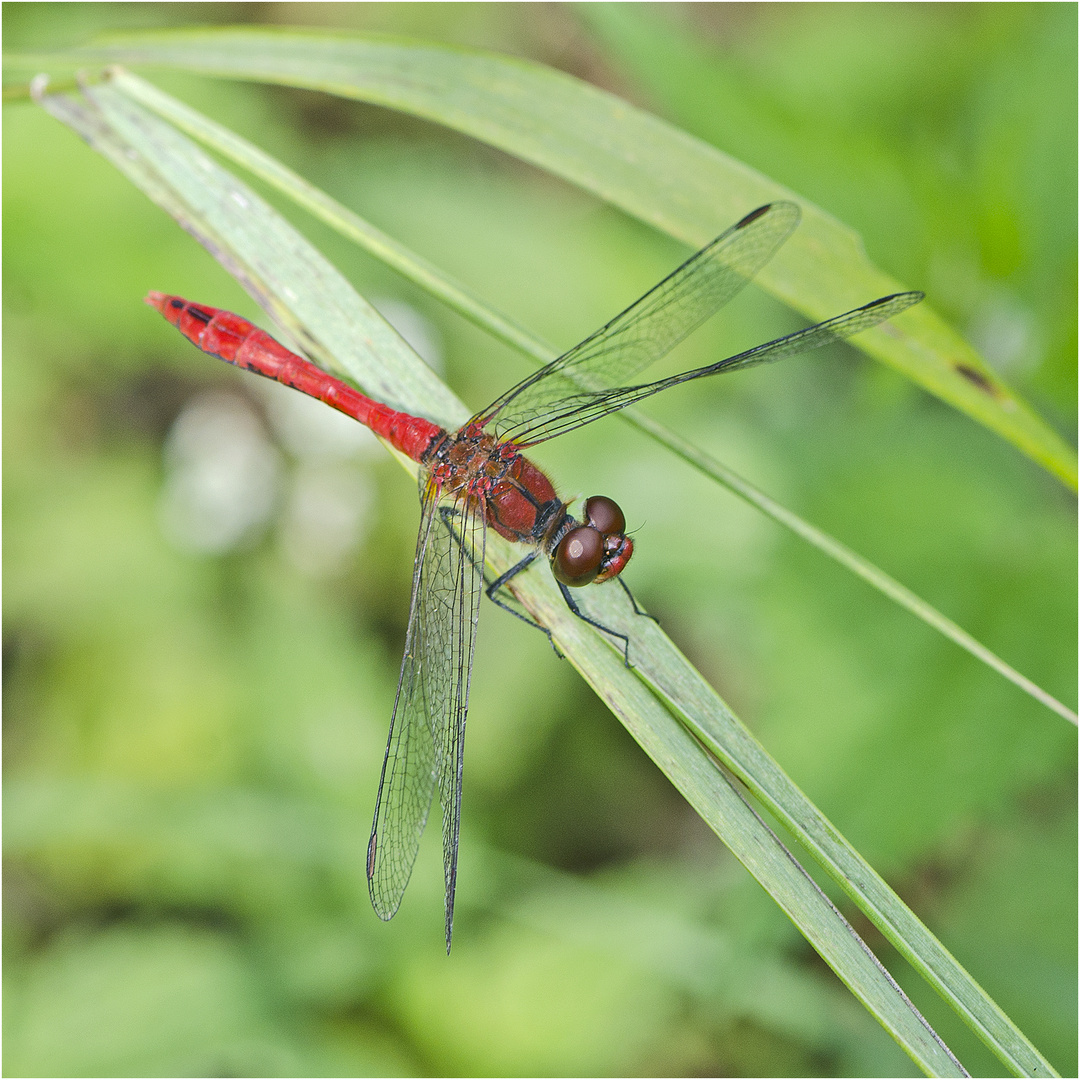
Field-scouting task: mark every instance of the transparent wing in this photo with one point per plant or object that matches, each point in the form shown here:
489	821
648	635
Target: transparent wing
586	406
427	730
456	591
649	328
409	771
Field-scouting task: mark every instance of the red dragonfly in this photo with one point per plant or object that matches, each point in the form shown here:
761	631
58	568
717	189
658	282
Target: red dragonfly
476	478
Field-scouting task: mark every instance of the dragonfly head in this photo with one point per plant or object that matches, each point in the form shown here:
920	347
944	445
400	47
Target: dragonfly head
597	550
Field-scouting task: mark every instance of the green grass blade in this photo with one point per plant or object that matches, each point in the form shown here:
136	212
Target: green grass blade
459	297
300	288
650	169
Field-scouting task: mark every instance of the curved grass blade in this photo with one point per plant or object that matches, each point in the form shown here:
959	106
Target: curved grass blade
636	161
243	233
460	298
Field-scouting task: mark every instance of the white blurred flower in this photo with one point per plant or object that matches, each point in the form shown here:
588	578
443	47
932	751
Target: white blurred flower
1006	332
325	517
222	476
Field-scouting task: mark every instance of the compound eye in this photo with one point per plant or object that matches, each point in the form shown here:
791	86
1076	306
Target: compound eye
604	515
577	558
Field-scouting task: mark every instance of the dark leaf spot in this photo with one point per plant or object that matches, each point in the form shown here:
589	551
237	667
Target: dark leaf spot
976	378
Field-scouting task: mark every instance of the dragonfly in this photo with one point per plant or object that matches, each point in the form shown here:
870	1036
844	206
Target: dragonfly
477	478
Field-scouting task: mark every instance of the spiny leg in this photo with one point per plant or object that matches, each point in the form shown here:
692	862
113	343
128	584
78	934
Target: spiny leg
637	610
492	588
500	583
571	603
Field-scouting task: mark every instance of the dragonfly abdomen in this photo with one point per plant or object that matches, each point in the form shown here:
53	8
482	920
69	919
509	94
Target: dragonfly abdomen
233	339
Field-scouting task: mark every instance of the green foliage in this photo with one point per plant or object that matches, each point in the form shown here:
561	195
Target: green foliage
194	740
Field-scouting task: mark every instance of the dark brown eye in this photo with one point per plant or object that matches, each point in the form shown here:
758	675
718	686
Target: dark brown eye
577	558
604	515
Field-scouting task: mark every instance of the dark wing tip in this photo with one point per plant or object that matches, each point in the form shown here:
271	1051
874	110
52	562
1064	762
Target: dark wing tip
782	207
753	216
372	849
901	301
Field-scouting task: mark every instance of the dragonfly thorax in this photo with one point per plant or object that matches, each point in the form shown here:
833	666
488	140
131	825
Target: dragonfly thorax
467	458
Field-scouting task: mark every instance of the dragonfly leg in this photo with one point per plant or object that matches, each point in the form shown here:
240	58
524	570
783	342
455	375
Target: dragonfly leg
637	610
500	583
492	588
571	603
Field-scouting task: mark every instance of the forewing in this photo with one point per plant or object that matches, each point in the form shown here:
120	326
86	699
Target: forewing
649	328
427	730
583	408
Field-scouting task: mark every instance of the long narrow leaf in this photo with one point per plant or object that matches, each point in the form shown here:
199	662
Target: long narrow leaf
248	237
645	166
462	300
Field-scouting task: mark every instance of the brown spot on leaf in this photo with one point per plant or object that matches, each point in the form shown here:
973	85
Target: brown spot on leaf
977	378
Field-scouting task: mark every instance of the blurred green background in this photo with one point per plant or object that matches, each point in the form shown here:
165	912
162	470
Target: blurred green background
206	583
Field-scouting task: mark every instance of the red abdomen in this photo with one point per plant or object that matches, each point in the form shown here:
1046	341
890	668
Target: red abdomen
237	341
